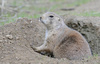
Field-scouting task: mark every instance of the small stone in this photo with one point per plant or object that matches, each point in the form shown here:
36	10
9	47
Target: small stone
17	38
3	37
9	37
1	41
0	33
31	22
2	57
5	41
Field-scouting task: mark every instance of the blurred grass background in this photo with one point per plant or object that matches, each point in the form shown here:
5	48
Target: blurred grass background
10	10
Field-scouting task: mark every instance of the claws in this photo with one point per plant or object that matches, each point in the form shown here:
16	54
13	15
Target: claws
34	48
40	48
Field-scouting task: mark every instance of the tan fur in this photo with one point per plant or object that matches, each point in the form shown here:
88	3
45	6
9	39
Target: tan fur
61	40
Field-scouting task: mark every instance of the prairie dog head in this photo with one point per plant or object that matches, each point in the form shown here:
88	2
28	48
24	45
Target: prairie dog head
51	20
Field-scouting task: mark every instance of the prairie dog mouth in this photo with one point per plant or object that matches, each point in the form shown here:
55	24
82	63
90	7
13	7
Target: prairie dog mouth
40	19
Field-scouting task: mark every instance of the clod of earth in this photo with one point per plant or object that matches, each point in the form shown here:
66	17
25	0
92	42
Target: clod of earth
89	27
9	37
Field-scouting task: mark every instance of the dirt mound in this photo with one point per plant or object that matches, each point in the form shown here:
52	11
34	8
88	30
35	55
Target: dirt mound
15	40
89	27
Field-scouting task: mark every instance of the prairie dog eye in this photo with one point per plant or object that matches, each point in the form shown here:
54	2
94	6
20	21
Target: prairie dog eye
51	16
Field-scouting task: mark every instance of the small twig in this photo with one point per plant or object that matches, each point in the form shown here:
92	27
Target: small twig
68	9
11	10
15	16
2	6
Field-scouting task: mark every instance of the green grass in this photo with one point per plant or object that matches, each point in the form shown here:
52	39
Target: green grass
95	55
8	21
28	15
2	23
59	4
22	15
56	0
78	3
35	8
88	14
17	3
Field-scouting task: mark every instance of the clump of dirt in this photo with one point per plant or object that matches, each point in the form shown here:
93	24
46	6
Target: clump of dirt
89	27
15	40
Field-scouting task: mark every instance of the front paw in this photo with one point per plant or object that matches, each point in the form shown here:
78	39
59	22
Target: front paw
34	48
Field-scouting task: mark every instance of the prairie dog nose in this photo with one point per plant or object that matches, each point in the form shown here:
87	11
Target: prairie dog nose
40	18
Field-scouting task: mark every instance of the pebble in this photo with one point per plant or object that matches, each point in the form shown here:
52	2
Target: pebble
17	38
1	41
0	33
9	37
31	22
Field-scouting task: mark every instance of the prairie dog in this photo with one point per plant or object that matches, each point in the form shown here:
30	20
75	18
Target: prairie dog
61	40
